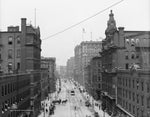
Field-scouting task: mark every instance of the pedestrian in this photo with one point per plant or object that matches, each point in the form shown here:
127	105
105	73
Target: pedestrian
46	110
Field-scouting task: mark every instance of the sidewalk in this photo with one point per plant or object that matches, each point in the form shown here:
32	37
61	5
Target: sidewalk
95	108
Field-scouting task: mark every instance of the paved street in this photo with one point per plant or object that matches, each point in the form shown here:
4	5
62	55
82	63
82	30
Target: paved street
75	105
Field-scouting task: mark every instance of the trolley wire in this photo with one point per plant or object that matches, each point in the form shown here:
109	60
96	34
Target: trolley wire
74	25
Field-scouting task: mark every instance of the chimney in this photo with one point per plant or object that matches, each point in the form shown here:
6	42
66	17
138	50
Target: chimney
23	42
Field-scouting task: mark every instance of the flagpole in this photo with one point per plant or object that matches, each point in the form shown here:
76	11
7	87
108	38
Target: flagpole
83	31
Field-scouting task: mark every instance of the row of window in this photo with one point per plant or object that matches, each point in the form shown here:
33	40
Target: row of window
14	100
133	109
10	40
10	87
139	99
132	83
133	56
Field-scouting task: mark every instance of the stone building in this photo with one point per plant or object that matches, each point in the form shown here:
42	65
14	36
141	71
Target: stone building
121	49
70	68
83	55
94	82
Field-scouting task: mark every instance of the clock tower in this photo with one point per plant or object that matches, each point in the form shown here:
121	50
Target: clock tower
111	25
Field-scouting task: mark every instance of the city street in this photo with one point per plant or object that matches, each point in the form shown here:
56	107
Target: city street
73	107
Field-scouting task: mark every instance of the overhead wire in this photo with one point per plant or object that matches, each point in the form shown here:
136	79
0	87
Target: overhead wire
74	25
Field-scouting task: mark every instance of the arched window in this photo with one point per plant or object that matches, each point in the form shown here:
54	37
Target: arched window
132	42
10	39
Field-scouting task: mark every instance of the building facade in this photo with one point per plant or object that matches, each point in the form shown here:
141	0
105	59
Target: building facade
44	78
94	78
14	89
52	74
83	54
121	50
133	88
20	53
70	68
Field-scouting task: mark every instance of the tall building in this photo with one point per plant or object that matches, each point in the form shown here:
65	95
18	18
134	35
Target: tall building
52	74
44	78
122	50
61	71
83	54
19	53
94	78
70	68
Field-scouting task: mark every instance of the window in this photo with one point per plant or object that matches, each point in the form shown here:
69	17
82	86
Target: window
142	86
148	102
137	56
137	96
126	93
133	109
132	42
130	107
126	105
132	56
9	67
10	39
127	40
142	100
137	112
127	66
2	90
133	96
18	66
148	87
137	84
18	53
142	113
137	41
5	89
126	82
8	88
126	57
133	83
129	94
10	54
129	83
18	40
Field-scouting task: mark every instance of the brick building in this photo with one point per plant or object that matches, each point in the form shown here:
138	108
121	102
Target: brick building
121	50
20	52
94	82
52	74
14	89
44	78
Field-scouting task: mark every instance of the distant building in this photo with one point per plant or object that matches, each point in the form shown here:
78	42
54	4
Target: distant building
44	78
52	74
70	68
122	50
20	52
94	78
83	55
61	71
48	64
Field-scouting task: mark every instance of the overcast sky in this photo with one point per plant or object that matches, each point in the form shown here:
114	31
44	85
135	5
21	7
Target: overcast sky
53	16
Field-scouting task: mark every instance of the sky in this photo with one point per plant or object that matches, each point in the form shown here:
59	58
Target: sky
53	16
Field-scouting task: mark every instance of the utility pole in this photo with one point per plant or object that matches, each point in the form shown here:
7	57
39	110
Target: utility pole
35	17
